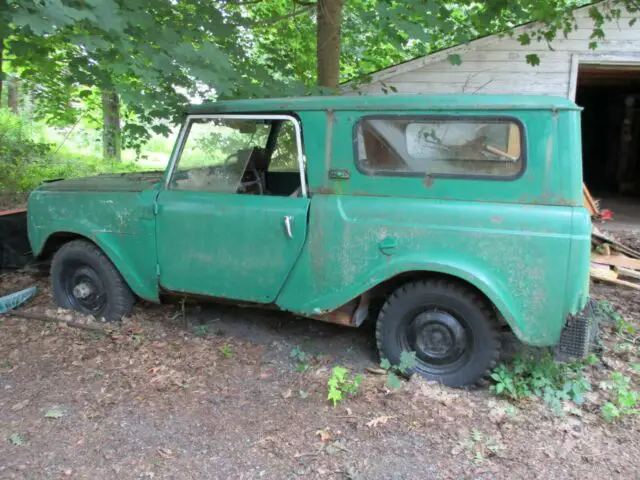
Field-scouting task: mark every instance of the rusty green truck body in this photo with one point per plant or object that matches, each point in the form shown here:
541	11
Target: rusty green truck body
369	193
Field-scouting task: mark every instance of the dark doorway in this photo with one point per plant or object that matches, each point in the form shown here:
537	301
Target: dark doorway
610	96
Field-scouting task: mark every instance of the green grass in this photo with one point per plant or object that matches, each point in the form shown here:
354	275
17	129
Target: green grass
31	152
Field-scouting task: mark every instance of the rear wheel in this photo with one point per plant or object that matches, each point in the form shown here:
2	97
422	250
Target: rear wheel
451	329
84	279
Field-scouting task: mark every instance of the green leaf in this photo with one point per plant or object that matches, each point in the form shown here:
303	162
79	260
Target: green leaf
334	396
393	381
385	364
533	59
454	59
609	412
54	412
340	373
407	361
17	439
524	39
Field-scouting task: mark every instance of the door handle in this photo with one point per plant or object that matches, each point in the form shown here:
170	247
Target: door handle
288	219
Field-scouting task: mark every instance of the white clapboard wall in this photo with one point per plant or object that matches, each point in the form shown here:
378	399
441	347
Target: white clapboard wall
497	64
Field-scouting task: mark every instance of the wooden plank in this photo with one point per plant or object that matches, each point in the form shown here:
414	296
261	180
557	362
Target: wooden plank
589	202
616	261
617	245
616	281
626	272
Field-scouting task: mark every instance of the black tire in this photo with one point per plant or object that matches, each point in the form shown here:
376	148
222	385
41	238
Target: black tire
84	279
452	329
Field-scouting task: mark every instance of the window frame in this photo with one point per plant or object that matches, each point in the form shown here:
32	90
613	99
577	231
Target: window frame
176	154
435	118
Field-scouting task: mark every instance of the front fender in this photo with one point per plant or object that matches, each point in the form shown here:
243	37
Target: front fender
120	226
141	278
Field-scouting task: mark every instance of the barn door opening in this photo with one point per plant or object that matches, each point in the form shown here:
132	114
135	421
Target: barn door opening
610	96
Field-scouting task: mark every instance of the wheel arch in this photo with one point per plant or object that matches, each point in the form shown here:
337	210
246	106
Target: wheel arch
141	287
496	295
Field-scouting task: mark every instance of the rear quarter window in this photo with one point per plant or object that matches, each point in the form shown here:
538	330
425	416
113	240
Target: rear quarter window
491	147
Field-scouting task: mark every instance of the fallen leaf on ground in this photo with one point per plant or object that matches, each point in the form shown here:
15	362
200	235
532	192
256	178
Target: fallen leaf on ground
335	447
20	406
379	421
165	453
17	439
54	412
324	435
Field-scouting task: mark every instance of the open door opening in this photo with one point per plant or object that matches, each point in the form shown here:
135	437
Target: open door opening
610	96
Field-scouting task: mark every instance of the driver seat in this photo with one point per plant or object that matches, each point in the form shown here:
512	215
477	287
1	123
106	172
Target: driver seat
256	169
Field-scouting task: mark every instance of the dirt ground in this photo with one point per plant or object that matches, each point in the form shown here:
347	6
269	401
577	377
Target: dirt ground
207	392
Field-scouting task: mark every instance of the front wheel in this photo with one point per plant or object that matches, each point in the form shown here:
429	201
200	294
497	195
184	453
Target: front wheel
451	329
84	279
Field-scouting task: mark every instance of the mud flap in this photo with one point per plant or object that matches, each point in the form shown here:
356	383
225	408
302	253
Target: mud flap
580	335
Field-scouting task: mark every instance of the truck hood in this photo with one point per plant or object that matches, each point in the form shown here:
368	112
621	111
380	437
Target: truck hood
118	182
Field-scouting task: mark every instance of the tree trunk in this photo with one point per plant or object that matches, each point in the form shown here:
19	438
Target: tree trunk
13	97
1	60
328	42
111	135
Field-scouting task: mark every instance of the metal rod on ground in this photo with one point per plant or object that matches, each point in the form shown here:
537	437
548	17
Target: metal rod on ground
45	318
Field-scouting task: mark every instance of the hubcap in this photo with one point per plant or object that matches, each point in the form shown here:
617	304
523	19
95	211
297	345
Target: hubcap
83	288
439	338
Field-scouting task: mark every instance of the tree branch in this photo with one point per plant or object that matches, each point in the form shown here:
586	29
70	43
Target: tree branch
305	9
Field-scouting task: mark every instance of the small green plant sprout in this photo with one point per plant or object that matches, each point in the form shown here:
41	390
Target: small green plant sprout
339	385
624	400
407	362
201	330
55	413
17	439
226	351
553	382
302	358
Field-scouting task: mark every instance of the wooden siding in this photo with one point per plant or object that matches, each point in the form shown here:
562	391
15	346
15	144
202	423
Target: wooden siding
498	64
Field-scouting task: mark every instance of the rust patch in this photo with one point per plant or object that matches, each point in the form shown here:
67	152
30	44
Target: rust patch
428	181
341	316
496	220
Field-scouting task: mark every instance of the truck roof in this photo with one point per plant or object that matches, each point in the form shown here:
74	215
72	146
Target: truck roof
387	102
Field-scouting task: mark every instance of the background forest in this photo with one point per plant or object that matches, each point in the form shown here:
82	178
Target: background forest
94	86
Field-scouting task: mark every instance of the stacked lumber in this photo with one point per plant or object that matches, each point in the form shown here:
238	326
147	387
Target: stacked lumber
613	262
593	206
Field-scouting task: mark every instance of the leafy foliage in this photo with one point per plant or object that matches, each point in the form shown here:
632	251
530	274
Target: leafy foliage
27	157
226	351
17	439
624	400
553	382
341	384
54	413
407	362
302	358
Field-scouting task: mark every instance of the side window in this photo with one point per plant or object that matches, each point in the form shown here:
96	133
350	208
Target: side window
285	154
217	154
477	147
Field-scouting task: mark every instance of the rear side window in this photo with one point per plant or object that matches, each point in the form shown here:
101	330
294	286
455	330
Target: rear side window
440	146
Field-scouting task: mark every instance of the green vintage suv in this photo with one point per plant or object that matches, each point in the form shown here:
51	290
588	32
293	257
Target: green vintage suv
447	219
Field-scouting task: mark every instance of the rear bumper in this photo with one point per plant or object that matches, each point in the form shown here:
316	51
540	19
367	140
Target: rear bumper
579	336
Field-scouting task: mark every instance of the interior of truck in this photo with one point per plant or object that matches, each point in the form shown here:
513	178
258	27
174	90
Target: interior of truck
265	164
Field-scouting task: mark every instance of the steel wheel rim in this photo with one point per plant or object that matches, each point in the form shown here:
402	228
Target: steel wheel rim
83	288
441	339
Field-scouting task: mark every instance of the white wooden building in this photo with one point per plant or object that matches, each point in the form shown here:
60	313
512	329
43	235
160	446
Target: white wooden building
605	81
